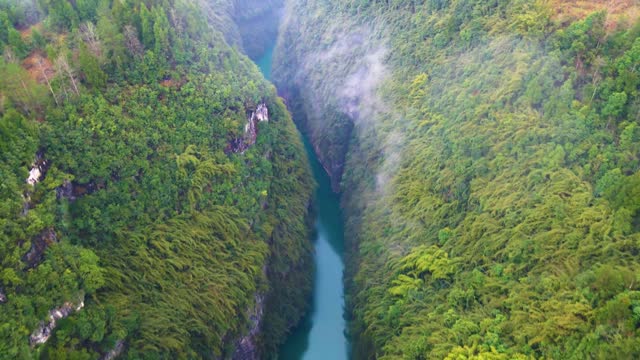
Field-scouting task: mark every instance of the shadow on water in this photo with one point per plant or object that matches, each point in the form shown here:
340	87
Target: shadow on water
327	204
321	333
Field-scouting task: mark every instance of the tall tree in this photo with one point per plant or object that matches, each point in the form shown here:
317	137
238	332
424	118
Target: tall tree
146	27
90	67
161	29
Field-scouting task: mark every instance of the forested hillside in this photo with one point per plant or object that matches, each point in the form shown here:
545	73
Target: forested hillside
488	155
154	190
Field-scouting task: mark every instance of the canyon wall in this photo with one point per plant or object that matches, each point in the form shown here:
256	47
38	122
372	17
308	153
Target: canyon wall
482	150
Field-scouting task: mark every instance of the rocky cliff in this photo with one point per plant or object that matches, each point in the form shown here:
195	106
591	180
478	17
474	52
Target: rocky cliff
330	74
257	22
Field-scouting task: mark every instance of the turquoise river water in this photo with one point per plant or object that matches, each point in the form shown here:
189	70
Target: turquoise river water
321	333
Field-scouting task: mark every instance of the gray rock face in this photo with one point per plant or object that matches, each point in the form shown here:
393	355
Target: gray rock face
117	350
72	191
262	113
65	191
246	348
39	245
45	330
36	174
257	23
240	145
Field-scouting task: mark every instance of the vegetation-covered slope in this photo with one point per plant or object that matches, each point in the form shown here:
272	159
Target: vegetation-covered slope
138	211
491	183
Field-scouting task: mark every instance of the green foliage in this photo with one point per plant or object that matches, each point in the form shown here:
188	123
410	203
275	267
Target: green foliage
87	9
17	44
62	15
491	178
91	69
21	91
141	209
146	25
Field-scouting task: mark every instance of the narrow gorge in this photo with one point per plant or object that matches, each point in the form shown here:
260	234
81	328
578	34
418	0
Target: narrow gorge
321	334
319	179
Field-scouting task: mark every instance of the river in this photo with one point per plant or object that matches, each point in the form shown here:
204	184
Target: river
321	333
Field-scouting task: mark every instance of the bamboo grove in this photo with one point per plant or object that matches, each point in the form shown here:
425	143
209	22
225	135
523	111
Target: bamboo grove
170	238
491	178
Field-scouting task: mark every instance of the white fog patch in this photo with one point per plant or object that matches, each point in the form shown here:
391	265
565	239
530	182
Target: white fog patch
392	151
354	61
359	92
346	43
344	71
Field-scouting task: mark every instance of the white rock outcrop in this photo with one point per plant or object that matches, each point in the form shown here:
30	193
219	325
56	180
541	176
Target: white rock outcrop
34	175
45	330
38	170
250	135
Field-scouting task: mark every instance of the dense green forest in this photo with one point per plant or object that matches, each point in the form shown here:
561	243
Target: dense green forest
123	199
488	154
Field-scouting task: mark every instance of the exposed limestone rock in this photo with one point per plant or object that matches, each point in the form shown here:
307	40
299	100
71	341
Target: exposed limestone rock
39	245
3	296
71	190
262	113
246	348
117	350
240	145
44	331
38	170
36	174
65	191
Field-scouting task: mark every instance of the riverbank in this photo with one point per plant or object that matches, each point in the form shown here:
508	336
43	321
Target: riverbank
321	333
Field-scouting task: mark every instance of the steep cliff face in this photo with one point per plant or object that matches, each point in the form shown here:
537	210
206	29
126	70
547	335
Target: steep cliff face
247	347
482	138
257	22
329	73
250	134
249	25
